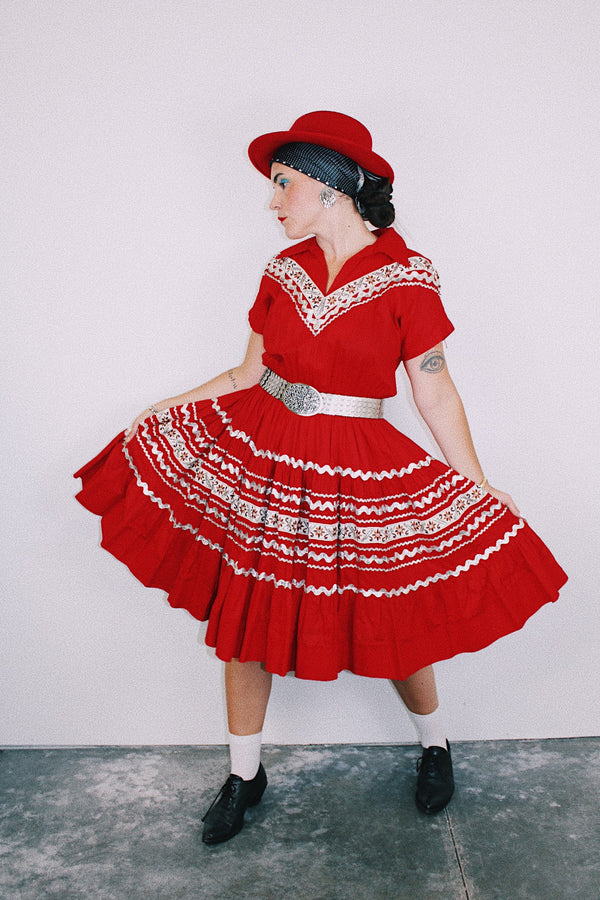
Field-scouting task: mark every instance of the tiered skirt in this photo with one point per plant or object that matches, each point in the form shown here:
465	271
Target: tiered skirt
316	544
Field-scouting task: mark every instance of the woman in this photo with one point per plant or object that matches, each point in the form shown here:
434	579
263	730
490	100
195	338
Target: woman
276	502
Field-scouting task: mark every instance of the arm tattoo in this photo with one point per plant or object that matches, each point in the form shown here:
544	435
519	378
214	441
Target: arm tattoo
433	362
231	376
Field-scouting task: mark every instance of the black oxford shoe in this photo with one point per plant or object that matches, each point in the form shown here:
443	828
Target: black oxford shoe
225	816
435	781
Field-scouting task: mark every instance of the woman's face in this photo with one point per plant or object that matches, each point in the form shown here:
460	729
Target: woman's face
296	201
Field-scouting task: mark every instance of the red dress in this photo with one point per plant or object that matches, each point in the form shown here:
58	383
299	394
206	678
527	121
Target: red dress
318	544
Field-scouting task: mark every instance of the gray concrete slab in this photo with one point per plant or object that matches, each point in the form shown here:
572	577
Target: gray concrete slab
335	822
526	821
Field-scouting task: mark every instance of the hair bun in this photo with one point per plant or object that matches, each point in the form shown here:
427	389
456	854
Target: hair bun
374	201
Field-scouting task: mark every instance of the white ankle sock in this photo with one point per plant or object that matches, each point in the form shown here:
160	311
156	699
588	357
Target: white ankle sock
244	753
431	729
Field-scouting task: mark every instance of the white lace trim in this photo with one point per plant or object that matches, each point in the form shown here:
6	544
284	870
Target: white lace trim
203	468
288	584
317	310
368	556
346	559
216	495
313	538
376	592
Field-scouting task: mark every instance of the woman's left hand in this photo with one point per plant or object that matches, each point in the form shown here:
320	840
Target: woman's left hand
504	498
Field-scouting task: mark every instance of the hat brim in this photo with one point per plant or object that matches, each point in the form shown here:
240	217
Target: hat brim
262	148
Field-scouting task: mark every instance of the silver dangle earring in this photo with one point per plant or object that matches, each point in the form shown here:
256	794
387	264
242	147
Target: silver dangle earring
327	197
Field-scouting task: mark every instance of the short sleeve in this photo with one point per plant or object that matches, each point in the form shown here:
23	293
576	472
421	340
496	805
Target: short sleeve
424	324
423	319
260	308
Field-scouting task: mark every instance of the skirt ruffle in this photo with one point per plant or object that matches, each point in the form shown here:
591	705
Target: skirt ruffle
315	545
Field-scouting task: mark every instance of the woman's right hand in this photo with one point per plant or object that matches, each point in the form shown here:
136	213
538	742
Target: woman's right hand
244	376
131	431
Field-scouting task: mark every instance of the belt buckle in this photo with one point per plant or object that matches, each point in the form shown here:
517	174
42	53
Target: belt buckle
302	399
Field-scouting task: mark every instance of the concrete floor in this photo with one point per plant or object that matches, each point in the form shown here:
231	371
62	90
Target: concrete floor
335	822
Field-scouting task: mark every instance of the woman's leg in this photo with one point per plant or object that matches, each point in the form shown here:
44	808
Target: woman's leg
435	782
419	695
419	692
247	688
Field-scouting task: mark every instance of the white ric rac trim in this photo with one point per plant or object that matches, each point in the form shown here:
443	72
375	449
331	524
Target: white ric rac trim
195	464
317	310
290	584
374	592
305	465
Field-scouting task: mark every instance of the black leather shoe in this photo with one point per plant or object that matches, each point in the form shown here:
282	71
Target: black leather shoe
435	781
225	815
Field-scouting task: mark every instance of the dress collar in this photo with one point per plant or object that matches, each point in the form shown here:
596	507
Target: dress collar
388	243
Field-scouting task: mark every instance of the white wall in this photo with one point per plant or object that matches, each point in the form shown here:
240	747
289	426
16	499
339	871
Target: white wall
136	231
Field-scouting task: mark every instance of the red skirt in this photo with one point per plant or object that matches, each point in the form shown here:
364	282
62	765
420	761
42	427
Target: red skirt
317	544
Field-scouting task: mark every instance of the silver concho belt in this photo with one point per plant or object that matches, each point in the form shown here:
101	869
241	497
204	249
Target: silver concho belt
305	400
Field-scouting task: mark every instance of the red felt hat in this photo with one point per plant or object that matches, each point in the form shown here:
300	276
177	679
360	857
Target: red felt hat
326	129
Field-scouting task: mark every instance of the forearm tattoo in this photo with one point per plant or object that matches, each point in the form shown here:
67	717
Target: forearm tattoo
231	376
433	362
